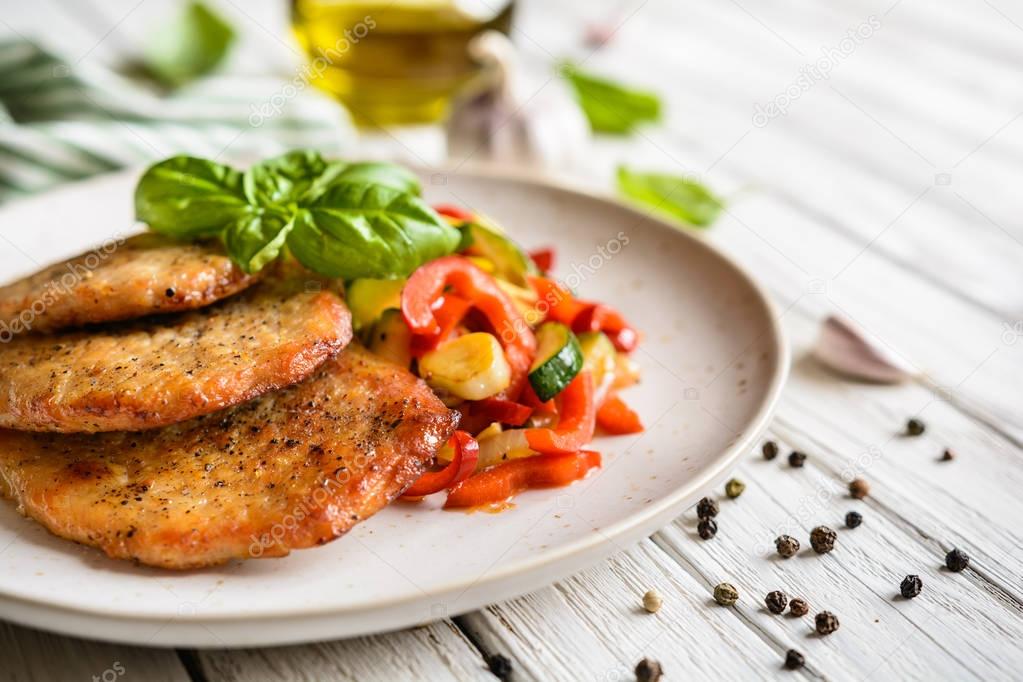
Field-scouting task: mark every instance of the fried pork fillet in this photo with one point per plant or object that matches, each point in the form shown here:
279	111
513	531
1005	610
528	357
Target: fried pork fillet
162	369
289	470
121	280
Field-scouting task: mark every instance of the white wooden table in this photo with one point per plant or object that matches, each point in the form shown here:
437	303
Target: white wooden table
890	193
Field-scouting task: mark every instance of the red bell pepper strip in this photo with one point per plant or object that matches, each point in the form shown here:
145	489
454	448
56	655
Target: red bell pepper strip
428	283
576	422
498	483
502	411
544	259
467	453
449	310
556	302
530	399
617	418
597	317
454	212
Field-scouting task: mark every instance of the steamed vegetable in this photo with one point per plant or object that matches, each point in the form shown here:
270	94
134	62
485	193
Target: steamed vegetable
369	298
576	420
497	484
463	463
471	367
558	359
391	338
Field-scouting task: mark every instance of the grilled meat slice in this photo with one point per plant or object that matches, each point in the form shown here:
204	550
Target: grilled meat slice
161	370
288	470
120	280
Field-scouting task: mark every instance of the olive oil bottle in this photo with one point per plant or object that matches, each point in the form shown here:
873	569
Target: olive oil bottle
394	61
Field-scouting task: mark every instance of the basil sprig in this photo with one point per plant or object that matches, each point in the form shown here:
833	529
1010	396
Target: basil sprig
345	220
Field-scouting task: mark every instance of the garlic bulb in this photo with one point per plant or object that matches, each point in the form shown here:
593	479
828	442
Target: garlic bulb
512	121
845	348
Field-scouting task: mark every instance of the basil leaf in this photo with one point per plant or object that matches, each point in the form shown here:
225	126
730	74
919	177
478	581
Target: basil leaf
367	230
611	107
283	179
675	196
191	45
387	174
254	240
189	197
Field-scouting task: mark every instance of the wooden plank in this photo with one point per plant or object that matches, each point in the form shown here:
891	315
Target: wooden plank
436	652
28	655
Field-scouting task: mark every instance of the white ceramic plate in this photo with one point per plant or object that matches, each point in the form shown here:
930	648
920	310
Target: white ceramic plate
713	362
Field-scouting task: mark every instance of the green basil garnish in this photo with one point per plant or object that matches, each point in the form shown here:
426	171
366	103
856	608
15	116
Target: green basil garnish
678	197
611	107
338	219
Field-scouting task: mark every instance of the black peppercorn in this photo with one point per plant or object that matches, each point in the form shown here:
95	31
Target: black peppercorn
706	508
786	545
853	519
500	666
948	455
776	601
911	586
648	671
770	450
825	622
858	488
798	607
915	427
707	528
822	539
794	660
797	459
169	293
957	560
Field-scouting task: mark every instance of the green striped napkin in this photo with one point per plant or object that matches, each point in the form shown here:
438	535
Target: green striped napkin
61	122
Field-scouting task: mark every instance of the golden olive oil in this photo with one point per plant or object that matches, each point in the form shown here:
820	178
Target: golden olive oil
392	61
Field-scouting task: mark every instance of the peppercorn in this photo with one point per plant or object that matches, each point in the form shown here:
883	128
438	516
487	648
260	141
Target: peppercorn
798	607
853	519
948	455
726	594
797	459
707	528
706	508
776	601
648	671
822	539
911	586
825	622
957	560
734	488
915	427
769	450
859	488
786	545
652	602
500	666
794	660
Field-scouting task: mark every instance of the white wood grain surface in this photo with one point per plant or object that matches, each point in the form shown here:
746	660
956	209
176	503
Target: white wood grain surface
888	193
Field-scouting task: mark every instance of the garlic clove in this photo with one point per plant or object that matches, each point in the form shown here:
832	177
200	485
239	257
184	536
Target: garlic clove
845	348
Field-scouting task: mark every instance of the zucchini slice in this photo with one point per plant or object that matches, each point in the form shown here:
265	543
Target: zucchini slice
600	359
510	262
369	298
392	339
558	359
472	367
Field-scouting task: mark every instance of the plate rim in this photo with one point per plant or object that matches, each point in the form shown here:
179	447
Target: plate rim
626	530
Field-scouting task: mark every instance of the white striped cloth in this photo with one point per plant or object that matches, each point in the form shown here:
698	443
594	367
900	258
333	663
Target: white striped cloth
60	123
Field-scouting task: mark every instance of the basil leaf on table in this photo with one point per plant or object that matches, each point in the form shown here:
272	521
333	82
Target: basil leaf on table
189	197
676	196
366	230
255	239
611	107
191	45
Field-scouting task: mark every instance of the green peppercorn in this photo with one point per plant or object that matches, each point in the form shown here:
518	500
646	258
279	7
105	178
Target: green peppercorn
911	586
797	459
726	594
957	560
794	660
706	508
798	607
858	488
769	450
776	601
734	488
648	671
915	427
500	666
786	545
822	539
853	519
707	528
825	622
